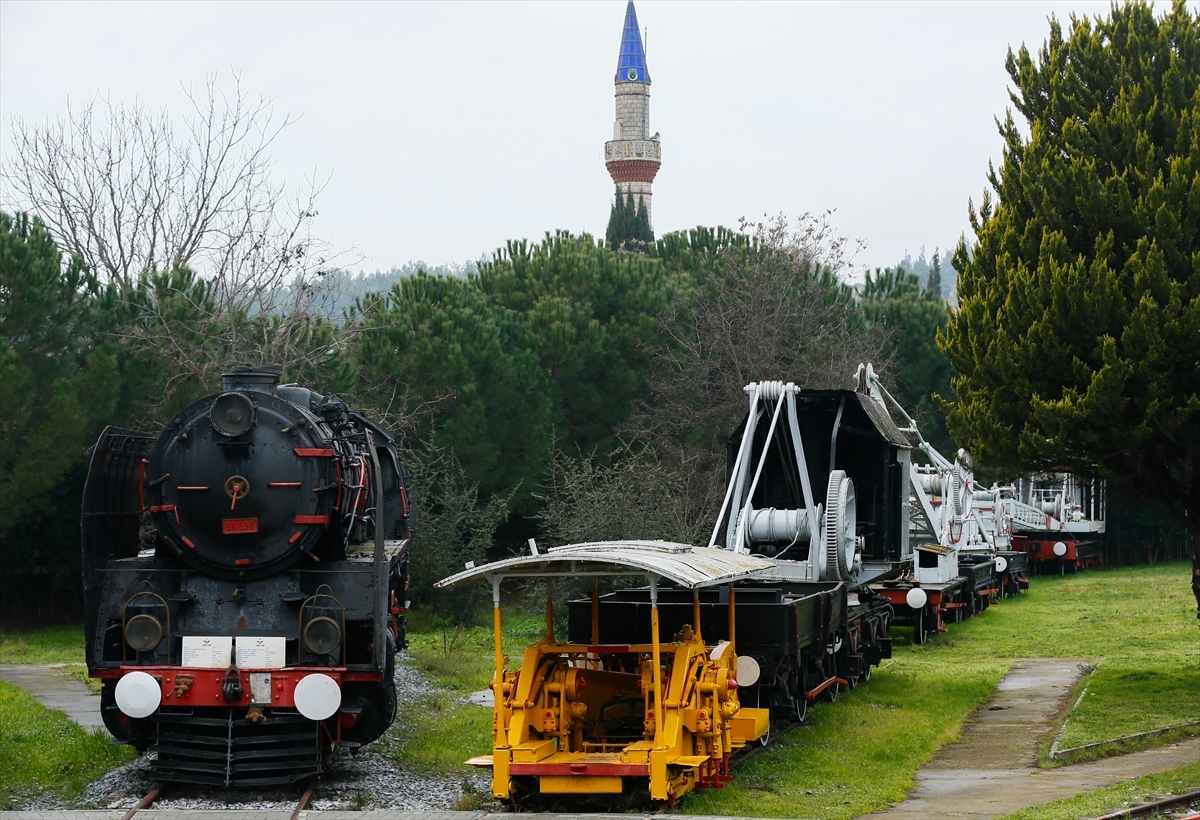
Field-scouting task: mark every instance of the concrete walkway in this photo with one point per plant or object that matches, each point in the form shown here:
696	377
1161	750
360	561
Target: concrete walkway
993	770
54	690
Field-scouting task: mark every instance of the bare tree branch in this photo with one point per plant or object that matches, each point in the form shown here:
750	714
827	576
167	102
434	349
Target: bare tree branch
774	309
143	198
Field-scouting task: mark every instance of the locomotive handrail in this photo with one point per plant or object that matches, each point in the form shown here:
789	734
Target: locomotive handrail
380	580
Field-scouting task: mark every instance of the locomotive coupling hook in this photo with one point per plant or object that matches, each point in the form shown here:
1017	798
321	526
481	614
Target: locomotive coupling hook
231	686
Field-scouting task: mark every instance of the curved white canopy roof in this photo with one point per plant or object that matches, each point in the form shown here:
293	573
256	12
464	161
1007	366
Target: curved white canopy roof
688	566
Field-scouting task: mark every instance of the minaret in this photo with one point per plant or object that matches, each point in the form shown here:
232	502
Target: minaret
633	155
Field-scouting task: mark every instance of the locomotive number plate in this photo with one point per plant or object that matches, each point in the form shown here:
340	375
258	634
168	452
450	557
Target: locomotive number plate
233	526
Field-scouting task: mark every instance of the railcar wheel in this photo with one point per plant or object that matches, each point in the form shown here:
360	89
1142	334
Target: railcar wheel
801	708
766	737
866	675
919	627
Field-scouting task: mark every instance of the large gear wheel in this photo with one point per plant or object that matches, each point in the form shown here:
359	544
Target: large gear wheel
956	491
841	519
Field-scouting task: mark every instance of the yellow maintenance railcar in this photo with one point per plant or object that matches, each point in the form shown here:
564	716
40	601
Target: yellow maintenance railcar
603	718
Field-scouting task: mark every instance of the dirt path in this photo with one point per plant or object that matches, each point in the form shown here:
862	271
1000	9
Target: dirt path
993	770
55	690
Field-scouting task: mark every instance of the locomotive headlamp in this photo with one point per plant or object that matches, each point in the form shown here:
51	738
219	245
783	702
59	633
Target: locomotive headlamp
231	414
322	635
143	632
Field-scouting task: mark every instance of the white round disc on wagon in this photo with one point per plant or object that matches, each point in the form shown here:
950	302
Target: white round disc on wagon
916	598
747	670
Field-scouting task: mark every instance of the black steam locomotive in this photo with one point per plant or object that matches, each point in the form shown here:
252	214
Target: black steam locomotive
244	582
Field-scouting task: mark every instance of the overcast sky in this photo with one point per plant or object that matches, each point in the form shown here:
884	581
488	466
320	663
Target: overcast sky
449	128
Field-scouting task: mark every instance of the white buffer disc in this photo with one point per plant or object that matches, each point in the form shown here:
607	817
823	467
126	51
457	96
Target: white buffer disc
318	696
138	695
1001	563
747	670
916	598
1060	549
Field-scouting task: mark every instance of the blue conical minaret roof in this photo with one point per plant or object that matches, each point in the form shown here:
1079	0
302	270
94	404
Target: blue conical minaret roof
631	65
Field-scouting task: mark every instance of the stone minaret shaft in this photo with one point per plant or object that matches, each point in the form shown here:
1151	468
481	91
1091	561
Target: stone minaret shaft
633	155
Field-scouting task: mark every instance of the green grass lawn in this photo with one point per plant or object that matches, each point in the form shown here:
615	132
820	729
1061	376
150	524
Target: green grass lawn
54	644
442	733
1126	696
43	753
860	753
1140	620
1111	798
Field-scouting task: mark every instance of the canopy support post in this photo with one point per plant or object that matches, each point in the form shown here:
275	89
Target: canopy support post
595	612
696	614
732	621
501	738
549	610
657	669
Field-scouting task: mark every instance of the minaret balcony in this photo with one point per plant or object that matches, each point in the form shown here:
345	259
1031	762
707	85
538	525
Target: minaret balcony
632	149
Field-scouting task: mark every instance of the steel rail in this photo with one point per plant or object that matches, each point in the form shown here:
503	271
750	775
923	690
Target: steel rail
305	799
1138	809
150	797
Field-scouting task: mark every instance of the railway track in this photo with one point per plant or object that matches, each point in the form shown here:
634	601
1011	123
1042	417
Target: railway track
1156	807
157	790
145	802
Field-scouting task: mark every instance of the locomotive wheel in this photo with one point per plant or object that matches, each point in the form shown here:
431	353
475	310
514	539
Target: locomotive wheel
866	675
919	627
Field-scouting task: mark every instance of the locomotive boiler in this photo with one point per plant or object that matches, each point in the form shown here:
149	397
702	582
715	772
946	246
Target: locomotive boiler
244	582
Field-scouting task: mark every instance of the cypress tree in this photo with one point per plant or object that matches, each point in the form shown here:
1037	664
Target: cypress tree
935	274
642	231
618	223
629	224
1078	330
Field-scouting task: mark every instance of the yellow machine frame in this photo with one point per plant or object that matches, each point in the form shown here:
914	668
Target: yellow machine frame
578	722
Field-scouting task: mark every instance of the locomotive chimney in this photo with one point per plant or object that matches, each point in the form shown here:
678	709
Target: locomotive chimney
262	379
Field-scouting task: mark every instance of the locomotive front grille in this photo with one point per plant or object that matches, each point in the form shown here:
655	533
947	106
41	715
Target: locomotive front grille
220	748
